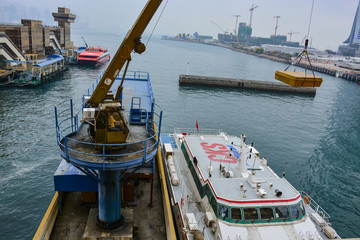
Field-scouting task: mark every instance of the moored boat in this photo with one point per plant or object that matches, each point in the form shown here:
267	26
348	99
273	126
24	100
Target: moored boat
94	56
220	188
6	75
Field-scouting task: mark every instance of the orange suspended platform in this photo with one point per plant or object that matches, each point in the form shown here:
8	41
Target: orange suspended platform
298	79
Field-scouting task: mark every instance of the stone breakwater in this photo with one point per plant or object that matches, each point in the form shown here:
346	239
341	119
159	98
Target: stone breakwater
245	84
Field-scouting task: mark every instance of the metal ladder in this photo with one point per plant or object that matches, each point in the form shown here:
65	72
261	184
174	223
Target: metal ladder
137	115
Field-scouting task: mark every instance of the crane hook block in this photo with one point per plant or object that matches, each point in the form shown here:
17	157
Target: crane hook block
139	47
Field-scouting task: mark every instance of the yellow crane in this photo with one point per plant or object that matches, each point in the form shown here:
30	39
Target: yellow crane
299	79
106	105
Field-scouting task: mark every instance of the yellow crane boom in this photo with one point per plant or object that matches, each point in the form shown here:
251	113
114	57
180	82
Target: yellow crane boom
130	43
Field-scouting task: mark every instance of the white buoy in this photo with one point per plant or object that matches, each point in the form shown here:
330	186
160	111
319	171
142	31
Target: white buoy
174	179
172	169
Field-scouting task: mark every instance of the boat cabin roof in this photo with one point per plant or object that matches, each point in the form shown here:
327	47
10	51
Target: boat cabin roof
96	49
230	185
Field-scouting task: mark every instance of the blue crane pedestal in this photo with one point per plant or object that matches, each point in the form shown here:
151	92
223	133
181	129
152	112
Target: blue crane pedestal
109	191
111	164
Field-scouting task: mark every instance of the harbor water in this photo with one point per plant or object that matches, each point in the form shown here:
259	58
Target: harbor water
315	139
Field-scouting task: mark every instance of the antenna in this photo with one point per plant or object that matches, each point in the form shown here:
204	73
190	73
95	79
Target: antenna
84	41
210	169
285	169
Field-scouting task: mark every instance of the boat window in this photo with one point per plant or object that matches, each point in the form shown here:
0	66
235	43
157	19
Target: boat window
207	191
282	212
236	213
302	209
213	203
223	211
294	211
251	214
266	213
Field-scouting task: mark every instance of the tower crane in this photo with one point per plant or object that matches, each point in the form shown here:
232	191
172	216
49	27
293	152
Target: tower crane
236	23
251	13
291	33
276	25
225	32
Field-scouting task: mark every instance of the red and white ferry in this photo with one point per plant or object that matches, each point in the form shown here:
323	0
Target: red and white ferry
221	189
94	56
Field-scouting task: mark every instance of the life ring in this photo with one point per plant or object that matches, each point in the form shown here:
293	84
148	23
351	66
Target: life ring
306	200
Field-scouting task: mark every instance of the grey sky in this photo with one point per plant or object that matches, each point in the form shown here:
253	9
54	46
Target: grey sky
331	23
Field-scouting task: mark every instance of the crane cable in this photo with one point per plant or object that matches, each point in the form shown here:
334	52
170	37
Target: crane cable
157	22
312	7
304	53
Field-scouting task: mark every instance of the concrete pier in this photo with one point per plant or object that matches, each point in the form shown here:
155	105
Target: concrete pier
246	84
335	71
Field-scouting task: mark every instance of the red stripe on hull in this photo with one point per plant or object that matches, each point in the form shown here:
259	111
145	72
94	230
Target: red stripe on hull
94	62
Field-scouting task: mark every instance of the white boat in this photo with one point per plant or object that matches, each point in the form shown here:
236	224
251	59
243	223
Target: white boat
220	188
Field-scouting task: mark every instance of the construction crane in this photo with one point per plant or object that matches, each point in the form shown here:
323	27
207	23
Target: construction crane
225	32
251	13
276	25
236	22
291	33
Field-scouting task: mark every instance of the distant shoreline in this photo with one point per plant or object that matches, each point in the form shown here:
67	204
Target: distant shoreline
328	69
262	55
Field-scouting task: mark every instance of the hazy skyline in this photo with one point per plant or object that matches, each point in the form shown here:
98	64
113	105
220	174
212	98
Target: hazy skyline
330	26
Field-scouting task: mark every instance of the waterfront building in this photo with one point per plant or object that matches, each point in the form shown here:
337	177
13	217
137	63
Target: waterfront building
244	38
244	32
32	37
64	18
36	38
227	38
352	47
202	37
291	50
